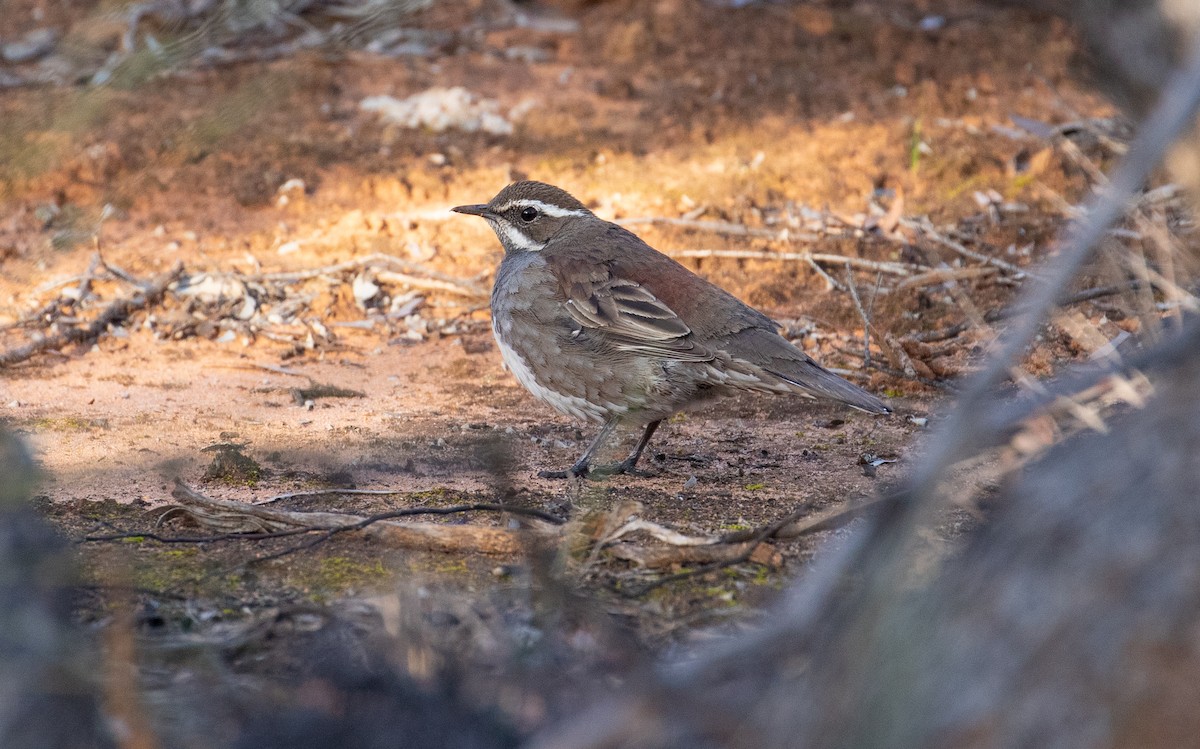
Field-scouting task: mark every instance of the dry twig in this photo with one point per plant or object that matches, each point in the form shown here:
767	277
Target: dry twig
725	227
398	271
835	261
115	313
927	229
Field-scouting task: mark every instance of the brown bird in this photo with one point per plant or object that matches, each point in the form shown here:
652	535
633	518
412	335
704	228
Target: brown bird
602	326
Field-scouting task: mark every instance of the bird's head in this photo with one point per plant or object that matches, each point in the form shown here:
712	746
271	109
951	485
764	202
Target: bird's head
525	215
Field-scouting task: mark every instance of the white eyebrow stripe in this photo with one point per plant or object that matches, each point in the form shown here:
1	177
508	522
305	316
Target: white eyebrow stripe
519	240
546	208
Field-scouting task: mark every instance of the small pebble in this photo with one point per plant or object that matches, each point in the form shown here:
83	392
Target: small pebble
933	23
292	185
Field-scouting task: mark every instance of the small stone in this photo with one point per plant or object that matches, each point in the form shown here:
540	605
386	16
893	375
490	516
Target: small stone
292	185
364	289
932	23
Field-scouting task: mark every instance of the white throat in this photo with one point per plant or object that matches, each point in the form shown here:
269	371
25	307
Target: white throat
513	237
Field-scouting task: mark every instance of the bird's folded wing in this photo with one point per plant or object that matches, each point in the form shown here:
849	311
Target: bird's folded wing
630	318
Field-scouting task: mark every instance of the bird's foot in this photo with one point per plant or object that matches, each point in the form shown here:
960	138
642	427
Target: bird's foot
625	467
579	470
629	467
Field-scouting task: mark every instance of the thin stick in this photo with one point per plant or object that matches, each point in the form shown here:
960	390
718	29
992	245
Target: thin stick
214	538
724	227
1088	295
863	314
942	275
879	266
833	283
85	283
413	274
123	274
924	227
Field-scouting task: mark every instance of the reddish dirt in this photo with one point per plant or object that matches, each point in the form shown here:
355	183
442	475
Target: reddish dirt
650	109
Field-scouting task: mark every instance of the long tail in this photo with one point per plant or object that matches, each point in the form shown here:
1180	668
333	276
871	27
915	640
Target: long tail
815	379
771	353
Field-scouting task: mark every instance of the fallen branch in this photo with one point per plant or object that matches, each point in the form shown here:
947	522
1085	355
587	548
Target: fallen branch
224	514
66	298
116	312
714	556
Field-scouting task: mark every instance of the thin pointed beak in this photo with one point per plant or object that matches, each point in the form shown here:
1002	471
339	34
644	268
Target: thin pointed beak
472	210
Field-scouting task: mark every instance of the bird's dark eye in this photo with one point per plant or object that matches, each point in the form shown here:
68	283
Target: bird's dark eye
529	214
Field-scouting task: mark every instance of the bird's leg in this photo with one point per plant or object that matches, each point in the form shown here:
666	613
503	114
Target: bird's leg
585	461
629	465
